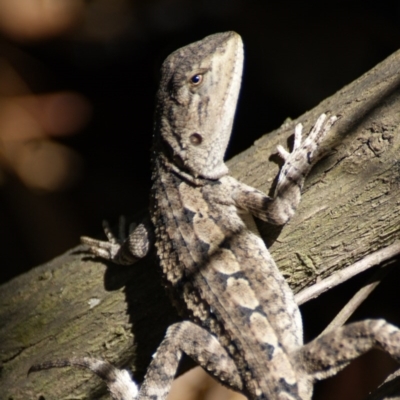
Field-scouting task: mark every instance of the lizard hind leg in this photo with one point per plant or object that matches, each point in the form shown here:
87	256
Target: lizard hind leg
182	337
204	348
328	354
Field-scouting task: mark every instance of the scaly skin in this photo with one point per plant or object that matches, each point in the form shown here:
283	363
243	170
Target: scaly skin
244	326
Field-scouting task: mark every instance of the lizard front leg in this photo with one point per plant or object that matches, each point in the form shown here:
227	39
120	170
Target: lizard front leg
281	207
326	355
182	337
124	250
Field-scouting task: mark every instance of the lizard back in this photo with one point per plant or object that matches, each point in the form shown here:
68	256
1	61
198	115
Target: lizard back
222	276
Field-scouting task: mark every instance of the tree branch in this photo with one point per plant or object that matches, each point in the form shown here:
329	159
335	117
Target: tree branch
345	274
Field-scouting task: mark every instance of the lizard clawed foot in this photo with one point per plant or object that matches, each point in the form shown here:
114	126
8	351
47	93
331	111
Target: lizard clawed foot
317	134
119	381
110	249
304	154
308	147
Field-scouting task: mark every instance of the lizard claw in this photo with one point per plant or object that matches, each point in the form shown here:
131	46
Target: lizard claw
318	133
308	147
304	154
100	248
121	231
298	130
111	248
122	249
311	143
109	233
283	153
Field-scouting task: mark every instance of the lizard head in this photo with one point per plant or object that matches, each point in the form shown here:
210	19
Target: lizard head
196	103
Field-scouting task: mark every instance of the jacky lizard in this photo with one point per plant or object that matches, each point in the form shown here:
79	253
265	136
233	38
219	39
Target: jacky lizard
243	325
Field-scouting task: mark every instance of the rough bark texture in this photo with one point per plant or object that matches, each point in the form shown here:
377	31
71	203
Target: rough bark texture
75	305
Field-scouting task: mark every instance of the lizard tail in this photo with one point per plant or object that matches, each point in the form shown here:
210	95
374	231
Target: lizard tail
119	381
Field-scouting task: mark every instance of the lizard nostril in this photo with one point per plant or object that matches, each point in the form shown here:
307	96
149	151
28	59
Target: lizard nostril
196	139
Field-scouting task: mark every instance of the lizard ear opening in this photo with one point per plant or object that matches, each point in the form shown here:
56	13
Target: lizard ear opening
196	139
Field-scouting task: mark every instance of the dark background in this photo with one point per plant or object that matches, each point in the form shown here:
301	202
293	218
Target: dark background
296	54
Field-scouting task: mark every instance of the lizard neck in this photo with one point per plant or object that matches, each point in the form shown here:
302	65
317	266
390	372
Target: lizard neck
162	164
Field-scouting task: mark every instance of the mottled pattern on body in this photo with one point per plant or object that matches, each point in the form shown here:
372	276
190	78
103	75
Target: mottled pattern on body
243	325
219	255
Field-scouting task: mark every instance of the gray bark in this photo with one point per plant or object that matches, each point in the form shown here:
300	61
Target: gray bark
75	305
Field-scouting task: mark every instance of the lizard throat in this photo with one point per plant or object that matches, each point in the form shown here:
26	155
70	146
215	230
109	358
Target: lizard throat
164	162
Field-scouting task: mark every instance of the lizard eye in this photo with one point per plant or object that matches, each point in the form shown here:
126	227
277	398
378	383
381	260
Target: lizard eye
196	79
196	139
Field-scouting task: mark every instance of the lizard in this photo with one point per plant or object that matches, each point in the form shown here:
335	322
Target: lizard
242	323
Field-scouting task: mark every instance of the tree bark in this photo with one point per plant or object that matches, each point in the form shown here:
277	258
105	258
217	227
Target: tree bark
76	305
